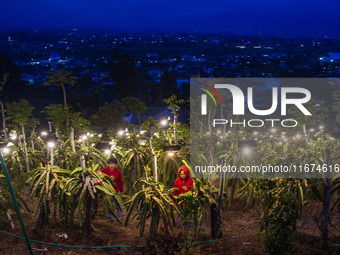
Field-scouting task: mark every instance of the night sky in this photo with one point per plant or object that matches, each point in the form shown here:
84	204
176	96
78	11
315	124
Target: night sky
285	17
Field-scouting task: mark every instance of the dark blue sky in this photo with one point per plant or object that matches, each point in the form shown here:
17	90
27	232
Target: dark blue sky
235	16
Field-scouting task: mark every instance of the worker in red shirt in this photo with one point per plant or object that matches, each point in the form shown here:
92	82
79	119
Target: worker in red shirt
184	183
116	175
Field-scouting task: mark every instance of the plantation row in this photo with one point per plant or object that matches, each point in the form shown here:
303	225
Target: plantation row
65	179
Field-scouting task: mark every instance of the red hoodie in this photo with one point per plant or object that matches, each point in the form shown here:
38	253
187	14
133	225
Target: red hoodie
117	177
187	183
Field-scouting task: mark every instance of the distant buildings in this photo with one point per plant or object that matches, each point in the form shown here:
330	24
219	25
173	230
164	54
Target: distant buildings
186	55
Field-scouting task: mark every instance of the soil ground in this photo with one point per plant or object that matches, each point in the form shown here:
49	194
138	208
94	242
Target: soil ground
237	221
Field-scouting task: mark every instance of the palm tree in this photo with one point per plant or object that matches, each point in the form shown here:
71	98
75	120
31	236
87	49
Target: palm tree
59	78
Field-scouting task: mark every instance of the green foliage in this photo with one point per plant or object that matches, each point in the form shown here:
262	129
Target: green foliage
154	201
134	105
32	124
174	103
134	158
195	203
19	112
73	193
6	203
150	125
109	116
60	116
78	122
56	113
176	134
44	186
16	159
60	77
72	190
80	195
282	202
168	165
194	206
75	196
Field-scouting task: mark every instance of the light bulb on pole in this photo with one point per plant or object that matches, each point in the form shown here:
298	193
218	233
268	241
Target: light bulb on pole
164	123
51	145
5	151
246	151
10	144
